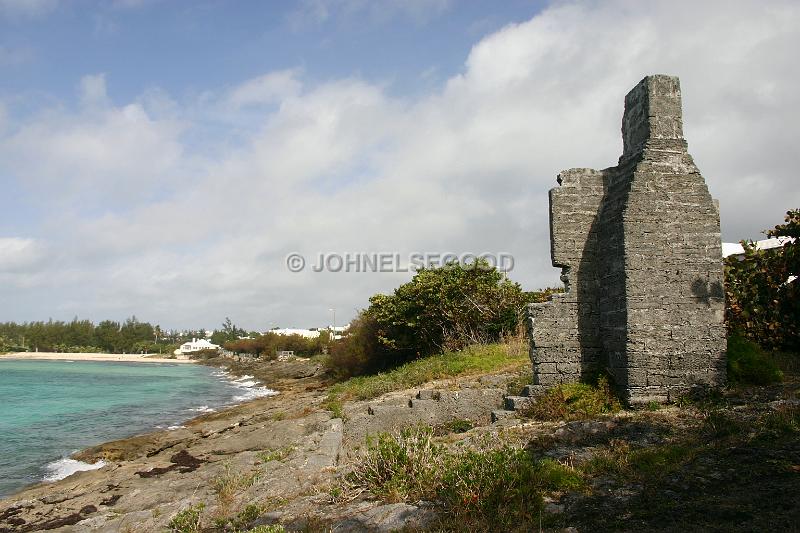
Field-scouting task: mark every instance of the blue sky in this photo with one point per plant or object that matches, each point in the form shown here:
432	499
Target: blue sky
161	158
187	47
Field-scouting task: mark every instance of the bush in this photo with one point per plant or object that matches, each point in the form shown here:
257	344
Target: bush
267	345
402	467
440	309
188	520
574	401
204	354
487	490
761	302
748	364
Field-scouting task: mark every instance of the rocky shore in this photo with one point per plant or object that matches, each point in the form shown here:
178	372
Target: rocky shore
284	454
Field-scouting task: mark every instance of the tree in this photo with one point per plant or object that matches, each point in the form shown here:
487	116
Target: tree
229	333
762	297
107	335
445	308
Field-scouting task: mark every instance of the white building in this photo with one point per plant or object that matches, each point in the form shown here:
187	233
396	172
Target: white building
736	248
188	348
307	333
310	333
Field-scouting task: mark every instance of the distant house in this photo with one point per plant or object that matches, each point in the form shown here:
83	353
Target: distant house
736	249
307	333
312	333
187	348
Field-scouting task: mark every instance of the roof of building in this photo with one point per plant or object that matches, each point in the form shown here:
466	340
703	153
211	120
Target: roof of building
736	248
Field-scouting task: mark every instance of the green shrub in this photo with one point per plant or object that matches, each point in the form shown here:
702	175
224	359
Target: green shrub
440	309
188	520
574	401
496	487
748	364
761	303
244	518
400	467
488	490
459	425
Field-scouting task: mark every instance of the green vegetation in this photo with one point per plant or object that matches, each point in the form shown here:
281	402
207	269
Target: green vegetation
267	345
459	426
244	518
230	483
473	360
439	310
761	304
574	401
275	455
188	520
267	529
651	463
79	336
491	490
749	364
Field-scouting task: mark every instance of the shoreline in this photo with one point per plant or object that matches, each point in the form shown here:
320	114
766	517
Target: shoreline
80	462
98	357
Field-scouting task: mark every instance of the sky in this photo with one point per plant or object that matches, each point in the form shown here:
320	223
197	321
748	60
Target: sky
162	158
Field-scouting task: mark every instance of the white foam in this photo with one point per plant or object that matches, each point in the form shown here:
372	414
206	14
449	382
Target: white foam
244	378
247	384
202	409
66	467
252	394
175	427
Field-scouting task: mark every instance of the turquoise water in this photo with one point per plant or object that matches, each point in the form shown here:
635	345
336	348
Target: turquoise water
51	409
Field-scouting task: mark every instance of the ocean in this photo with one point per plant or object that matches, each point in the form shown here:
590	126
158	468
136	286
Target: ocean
51	409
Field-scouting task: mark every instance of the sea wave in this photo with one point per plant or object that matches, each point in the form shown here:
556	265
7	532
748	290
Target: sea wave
66	467
251	388
202	409
251	394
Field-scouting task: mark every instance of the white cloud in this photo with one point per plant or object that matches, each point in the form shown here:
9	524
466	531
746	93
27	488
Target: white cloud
93	90
343	166
267	89
101	156
17	253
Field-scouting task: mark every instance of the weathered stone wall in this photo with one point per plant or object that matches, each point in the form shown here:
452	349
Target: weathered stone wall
566	332
639	246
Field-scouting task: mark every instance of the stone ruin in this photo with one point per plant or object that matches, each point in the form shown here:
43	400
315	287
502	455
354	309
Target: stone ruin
640	252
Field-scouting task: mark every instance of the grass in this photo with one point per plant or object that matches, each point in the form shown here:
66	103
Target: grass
477	359
497	489
241	520
748	364
278	454
459	425
574	401
230	483
188	520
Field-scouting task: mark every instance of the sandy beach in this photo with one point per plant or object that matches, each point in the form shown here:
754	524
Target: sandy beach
127	358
